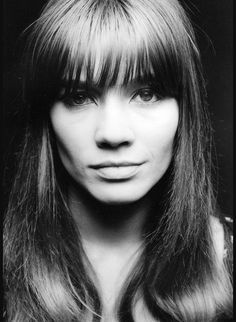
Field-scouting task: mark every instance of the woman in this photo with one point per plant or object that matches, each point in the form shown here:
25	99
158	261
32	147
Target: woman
112	215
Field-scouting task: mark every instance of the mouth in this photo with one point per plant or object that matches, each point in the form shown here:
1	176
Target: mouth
113	171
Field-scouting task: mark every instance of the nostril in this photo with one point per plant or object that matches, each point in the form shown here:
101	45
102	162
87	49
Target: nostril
113	128
108	145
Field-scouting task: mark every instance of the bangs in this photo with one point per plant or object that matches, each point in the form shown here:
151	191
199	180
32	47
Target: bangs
108	50
107	43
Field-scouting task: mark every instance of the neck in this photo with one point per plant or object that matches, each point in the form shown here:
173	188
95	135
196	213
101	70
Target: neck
112	237
108	225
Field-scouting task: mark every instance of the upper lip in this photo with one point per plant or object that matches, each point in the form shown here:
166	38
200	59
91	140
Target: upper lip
115	164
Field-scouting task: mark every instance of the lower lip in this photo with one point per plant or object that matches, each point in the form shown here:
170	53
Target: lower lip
118	173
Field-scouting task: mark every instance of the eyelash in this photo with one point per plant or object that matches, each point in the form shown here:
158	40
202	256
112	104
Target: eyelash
71	99
146	90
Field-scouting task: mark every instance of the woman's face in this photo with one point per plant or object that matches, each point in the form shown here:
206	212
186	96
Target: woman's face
116	142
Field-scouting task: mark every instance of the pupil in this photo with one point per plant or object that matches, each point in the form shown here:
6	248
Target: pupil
80	99
146	95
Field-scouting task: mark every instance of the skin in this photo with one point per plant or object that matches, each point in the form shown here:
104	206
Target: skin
119	125
116	124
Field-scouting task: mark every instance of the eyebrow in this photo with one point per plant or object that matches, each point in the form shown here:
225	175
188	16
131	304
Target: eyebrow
93	86
90	86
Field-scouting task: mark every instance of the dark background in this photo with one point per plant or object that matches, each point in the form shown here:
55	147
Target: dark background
213	22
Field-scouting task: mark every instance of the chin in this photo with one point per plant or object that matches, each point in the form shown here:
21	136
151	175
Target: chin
117	200
119	195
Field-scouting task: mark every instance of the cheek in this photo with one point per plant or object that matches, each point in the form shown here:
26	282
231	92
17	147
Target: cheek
73	149
71	142
159	135
160	152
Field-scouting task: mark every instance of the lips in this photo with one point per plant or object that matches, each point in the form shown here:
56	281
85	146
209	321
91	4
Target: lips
116	171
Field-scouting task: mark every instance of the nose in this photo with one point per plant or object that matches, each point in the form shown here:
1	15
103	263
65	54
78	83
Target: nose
113	128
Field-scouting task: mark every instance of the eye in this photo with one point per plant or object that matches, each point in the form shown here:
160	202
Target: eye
145	95
79	99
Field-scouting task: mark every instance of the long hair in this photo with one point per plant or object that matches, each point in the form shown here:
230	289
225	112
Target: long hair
47	273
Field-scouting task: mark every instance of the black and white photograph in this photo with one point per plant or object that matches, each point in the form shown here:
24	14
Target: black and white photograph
117	161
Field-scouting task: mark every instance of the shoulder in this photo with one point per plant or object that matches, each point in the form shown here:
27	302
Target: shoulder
218	236
222	235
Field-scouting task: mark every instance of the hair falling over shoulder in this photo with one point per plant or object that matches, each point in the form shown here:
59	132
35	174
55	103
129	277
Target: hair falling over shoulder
46	272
